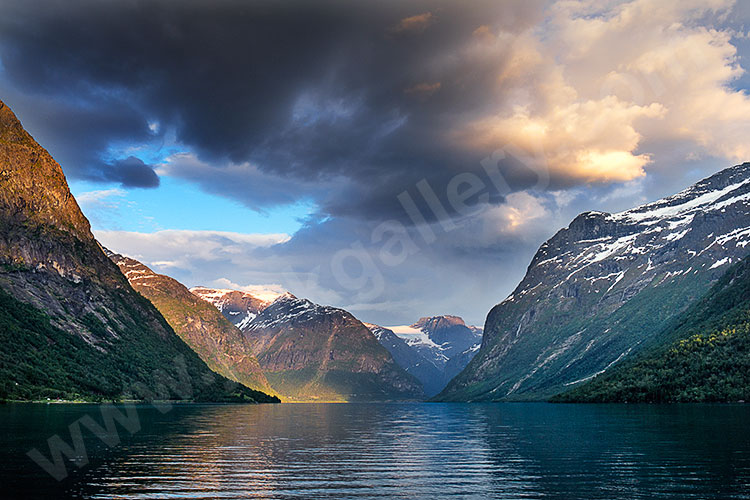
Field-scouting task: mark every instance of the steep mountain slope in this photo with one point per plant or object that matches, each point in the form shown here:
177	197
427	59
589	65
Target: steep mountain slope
313	352
458	362
219	343
410	359
433	349
602	288
72	326
704	354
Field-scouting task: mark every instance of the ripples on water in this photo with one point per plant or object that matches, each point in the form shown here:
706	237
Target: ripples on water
429	451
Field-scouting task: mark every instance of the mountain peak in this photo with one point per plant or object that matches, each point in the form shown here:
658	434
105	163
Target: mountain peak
33	188
437	322
10	125
260	294
288	297
433	349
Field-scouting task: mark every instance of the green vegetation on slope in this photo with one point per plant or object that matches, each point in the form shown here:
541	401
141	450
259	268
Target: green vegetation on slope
39	361
703	355
634	324
217	342
195	321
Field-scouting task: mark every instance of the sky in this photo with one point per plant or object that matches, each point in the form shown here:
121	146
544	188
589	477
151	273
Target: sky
398	159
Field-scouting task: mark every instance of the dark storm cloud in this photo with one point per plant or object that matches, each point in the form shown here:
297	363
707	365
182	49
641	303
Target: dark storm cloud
305	91
131	172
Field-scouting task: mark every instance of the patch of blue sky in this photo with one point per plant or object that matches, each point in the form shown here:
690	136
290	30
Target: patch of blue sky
178	204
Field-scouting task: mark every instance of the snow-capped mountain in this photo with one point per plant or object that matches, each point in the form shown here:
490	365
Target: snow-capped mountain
410	359
439	338
598	290
434	349
237	306
314	352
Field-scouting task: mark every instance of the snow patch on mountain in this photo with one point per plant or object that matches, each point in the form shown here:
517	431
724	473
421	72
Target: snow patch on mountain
415	336
434	349
288	308
217	294
682	203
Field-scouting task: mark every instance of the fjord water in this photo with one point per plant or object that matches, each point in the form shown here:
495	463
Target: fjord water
405	450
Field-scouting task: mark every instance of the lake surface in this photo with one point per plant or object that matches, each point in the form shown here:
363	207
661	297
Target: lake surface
429	451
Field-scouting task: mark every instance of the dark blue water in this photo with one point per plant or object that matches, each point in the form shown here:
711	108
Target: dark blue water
429	451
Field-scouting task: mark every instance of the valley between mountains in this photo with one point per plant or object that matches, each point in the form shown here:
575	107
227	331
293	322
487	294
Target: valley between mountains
651	304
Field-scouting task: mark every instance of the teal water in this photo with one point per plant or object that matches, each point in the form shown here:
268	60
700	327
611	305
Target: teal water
420	451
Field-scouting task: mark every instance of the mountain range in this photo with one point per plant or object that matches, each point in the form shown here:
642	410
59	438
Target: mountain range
647	305
603	289
313	352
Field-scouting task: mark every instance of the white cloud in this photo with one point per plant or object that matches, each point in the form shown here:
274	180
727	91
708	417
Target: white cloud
102	207
267	291
184	248
92	197
515	215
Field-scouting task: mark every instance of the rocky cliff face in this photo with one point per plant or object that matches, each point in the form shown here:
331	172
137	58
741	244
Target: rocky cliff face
85	331
314	352
599	290
219	344
434	349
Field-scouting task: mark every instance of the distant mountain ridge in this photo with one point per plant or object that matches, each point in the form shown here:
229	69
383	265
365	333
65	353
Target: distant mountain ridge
410	359
71	326
313	352
450	334
602	288
434	349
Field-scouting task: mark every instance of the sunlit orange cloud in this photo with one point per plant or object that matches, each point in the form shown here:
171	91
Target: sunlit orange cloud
593	102
484	33
593	141
416	24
